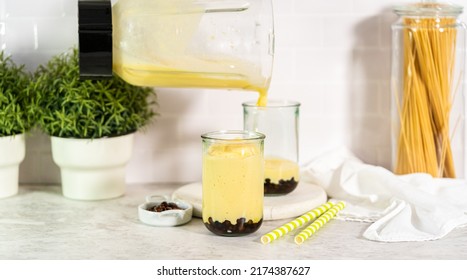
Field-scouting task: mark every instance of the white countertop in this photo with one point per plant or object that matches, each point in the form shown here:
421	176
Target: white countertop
39	223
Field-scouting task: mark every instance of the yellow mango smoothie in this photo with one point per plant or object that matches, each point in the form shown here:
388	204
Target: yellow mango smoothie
281	176
233	186
144	75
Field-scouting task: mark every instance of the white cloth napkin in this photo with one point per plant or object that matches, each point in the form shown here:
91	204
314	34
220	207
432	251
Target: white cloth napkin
413	207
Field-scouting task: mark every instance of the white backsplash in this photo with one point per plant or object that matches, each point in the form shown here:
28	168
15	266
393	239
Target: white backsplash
332	56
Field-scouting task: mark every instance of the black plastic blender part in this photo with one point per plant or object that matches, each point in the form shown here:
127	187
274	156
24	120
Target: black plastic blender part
95	39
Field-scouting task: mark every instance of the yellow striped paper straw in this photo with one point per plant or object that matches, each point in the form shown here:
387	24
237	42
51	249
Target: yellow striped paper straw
321	221
298	222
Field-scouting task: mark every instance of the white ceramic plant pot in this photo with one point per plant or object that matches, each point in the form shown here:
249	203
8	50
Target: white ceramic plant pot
12	152
92	169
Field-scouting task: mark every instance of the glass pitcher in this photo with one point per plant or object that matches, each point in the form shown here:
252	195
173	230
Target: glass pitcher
179	43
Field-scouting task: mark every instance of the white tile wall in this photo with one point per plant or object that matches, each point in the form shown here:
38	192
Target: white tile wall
333	56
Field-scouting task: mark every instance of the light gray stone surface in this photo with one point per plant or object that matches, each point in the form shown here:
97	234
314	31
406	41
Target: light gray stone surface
39	223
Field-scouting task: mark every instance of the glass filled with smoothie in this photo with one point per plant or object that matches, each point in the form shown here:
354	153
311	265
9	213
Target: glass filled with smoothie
278	120
233	173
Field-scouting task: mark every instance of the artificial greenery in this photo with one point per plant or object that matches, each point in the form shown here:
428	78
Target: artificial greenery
73	108
16	115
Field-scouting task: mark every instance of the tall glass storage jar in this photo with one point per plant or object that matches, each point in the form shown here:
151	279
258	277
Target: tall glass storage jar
428	106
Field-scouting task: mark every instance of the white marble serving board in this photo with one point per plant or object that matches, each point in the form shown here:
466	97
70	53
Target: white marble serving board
304	198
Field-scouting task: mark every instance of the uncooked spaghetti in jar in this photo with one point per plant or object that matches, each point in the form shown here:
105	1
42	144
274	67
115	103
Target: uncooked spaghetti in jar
427	78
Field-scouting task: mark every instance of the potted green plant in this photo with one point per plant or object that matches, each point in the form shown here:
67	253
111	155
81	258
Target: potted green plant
15	120
92	125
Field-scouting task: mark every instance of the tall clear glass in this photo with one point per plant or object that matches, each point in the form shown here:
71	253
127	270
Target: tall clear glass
279	121
428	107
233	172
